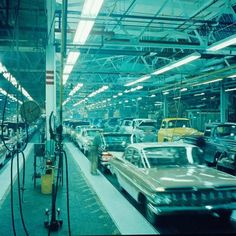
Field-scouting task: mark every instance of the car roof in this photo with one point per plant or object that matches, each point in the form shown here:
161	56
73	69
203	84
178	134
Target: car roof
165	144
167	119
143	119
116	134
219	123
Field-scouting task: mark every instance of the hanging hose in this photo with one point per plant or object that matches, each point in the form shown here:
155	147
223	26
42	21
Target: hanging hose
19	194
67	193
12	200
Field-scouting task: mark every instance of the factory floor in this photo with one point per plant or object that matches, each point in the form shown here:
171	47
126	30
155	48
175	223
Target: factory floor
96	207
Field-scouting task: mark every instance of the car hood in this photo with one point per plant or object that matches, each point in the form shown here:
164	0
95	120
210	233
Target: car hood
230	141
117	154
184	131
188	176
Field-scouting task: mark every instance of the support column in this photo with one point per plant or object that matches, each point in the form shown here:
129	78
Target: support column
223	104
165	107
50	72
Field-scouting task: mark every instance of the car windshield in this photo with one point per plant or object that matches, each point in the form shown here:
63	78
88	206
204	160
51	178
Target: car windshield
162	156
117	142
149	124
226	130
93	133
147	128
178	123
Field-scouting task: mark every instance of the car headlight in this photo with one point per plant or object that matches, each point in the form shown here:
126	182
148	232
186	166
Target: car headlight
232	156
162	199
88	142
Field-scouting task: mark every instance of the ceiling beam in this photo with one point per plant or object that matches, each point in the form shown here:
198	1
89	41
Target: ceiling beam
22	49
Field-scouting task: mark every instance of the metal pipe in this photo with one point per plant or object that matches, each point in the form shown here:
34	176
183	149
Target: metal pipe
63	51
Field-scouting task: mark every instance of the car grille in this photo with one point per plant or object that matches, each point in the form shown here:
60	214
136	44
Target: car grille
201	198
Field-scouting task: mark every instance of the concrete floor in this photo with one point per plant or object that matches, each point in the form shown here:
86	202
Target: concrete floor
96	208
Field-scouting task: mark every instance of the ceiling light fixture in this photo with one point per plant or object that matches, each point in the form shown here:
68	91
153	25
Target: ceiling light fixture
231	89
100	90
165	92
198	94
67	69
176	98
75	89
143	78
79	102
7	75
208	82
72	58
83	30
178	63
2	91
232	76
65	78
222	43
90	10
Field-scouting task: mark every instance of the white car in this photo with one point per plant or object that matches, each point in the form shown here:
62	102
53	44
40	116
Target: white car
171	178
140	128
85	138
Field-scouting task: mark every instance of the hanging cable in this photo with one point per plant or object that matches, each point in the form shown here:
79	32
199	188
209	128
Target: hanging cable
19	194
12	201
67	193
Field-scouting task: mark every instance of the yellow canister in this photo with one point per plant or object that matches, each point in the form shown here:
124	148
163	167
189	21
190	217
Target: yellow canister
46	183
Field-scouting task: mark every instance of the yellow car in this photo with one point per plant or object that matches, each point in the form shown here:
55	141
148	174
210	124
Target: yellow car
173	129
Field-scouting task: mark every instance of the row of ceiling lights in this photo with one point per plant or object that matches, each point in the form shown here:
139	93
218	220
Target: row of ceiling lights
214	47
7	75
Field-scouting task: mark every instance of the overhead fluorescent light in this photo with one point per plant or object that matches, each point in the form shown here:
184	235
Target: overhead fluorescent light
65	78
100	90
75	89
5	93
231	89
67	69
91	8
178	63
198	94
79	102
232	76
8	76
143	78
208	82
72	57
82	32
176	98
66	101
222	43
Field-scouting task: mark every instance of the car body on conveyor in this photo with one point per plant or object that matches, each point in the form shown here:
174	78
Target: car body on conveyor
113	145
172	178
